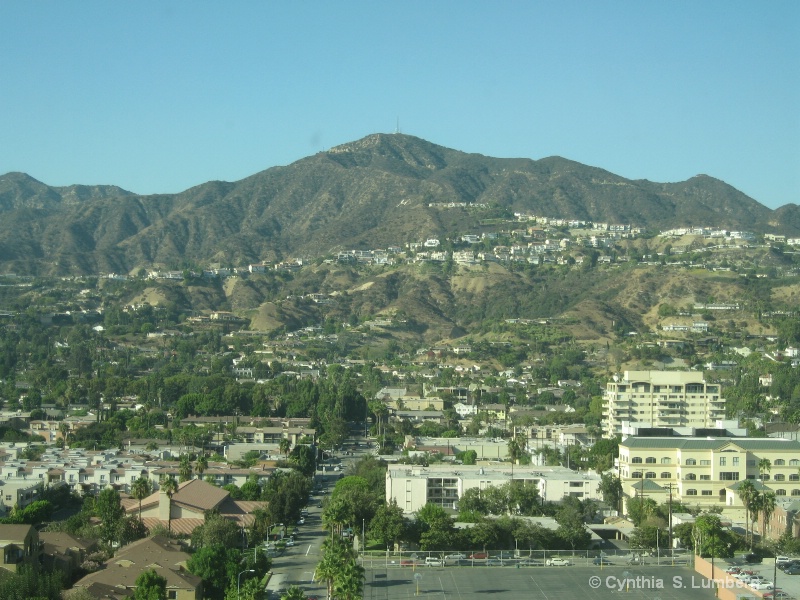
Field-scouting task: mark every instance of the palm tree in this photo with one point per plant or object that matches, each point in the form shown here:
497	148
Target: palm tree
294	593
336	514
201	465
64	429
764	466
755	510
140	490
350	583
169	486
185	469
327	570
747	492
284	446
767	508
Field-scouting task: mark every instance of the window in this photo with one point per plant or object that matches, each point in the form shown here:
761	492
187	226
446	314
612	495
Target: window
722	461
172	594
636	475
729	476
780	477
690	462
706	493
666	475
650	460
691	492
650	475
779	462
794	462
795	492
636	459
780	492
690	477
735	461
705	463
666	460
794	477
751	462
765	477
705	477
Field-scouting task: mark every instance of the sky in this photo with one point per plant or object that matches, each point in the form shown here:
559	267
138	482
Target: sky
157	97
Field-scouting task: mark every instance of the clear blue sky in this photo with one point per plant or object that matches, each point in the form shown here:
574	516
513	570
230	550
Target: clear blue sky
157	97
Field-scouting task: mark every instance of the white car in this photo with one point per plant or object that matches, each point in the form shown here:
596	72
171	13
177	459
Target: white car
761	585
557	562
459	556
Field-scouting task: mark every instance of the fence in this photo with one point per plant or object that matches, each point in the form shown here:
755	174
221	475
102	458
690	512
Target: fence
523	558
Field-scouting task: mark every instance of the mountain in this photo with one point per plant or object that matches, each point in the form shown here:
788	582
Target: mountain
371	193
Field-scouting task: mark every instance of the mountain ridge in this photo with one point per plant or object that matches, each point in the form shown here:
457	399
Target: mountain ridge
372	192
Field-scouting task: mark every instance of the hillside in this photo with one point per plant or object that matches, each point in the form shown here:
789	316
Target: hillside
372	193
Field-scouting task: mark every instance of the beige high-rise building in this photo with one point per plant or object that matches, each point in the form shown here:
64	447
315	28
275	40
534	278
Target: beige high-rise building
668	399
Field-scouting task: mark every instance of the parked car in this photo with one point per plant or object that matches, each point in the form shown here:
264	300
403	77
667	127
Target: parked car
493	562
761	585
599	560
732	570
454	557
557	562
782	560
793	570
479	556
530	563
290	542
433	561
776	595
301	521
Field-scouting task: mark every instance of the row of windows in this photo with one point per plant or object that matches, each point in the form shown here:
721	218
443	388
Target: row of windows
651	460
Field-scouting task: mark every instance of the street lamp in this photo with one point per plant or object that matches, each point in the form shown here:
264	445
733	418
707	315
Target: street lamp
239	580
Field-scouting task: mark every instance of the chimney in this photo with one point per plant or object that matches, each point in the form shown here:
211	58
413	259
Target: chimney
163	506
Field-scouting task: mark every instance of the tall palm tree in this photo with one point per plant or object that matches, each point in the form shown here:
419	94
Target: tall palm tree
201	465
63	428
185	469
747	492
140	490
328	570
767	508
764	466
755	511
350	583
294	593
336	515
284	446
169	486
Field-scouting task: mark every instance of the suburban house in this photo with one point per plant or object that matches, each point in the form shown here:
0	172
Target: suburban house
117	577
186	509
20	546
64	552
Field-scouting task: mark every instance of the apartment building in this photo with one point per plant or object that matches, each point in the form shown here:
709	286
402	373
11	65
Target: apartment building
412	486
707	470
661	399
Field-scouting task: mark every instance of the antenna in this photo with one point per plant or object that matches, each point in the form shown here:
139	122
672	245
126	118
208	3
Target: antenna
397	128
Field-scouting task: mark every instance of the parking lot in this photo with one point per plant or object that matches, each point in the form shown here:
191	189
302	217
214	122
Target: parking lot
553	583
790	584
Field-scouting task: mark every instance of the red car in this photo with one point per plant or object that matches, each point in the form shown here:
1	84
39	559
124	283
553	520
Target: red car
478	556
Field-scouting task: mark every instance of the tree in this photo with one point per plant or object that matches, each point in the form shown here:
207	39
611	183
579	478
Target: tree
217	566
349	585
767	508
764	466
747	492
201	465
710	538
640	509
388	525
571	527
303	458
217	531
610	488
294	593
169	486
469	457
284	445
140	490
150	586
109	510
184	469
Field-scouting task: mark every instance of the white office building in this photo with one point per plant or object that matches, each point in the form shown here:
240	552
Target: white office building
661	399
413	486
